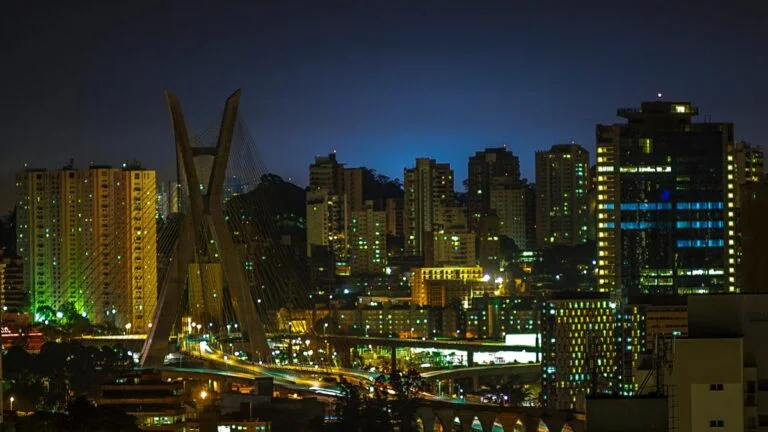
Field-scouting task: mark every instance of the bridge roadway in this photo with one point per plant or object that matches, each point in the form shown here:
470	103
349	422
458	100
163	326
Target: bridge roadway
461	345
342	342
528	373
432	410
470	347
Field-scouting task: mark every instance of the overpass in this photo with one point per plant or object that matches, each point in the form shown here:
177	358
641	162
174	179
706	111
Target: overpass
431	411
470	347
528	373
135	342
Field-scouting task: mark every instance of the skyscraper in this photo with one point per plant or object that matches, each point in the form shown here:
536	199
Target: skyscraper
427	186
87	237
333	193
750	192
140	231
513	204
352	187
665	202
483	167
325	173
562	185
368	240
326	226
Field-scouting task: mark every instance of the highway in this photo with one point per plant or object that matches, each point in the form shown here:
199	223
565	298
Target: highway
309	379
297	378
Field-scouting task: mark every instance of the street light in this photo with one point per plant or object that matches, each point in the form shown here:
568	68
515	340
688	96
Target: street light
203	394
128	327
12	399
325	329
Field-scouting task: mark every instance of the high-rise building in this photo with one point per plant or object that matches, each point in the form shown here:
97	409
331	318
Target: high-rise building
589	346
87	237
334	192
484	166
489	244
452	248
326	225
368	240
751	193
394	209
562	186
427	186
326	173
140	231
749	167
513	203
753	236
665	203
14	298
352	186
163	200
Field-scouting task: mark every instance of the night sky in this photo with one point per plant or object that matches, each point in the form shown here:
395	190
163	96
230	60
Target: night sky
380	82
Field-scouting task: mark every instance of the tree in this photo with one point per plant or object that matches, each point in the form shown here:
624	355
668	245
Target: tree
45	313
512	392
348	408
360	410
85	416
81	415
407	387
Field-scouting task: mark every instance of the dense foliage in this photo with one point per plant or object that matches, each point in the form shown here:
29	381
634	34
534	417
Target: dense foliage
59	373
81	415
387	405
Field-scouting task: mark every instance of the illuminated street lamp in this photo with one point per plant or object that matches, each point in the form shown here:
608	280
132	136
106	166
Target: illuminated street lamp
12	399
203	394
128	327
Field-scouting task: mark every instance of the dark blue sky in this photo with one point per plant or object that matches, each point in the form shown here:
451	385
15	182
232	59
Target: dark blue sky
382	82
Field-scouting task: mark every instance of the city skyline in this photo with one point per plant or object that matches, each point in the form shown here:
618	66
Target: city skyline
432	215
448	82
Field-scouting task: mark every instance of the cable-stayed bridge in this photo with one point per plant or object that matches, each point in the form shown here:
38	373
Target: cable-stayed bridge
222	265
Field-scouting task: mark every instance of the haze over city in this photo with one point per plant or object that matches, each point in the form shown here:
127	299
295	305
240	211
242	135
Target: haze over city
380	82
375	216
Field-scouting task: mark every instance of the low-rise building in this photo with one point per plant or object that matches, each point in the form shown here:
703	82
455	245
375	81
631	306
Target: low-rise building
157	405
424	288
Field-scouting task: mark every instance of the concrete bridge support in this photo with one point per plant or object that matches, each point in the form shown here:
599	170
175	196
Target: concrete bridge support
427	417
487	420
476	382
446	417
509	421
509	418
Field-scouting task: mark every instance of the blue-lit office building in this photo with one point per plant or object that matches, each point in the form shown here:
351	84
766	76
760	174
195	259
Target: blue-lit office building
665	202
